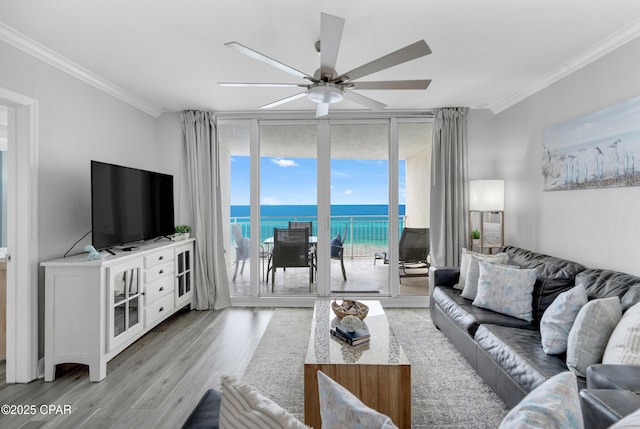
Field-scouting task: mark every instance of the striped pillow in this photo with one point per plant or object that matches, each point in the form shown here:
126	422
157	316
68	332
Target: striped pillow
243	407
624	345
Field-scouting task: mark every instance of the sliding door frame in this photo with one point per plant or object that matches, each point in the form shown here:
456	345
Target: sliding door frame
391	119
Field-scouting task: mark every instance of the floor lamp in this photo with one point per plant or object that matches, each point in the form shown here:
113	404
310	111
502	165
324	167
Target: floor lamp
486	202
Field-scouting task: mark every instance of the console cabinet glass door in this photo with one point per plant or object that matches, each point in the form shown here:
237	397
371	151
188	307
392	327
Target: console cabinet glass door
184	269
125	302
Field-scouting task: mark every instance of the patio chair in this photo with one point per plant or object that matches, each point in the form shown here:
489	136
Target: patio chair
242	248
337	250
413	252
297	225
290	249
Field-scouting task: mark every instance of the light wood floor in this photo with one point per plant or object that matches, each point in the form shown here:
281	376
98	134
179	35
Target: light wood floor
155	383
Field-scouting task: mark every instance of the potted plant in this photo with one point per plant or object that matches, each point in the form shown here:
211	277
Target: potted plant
475	236
182	232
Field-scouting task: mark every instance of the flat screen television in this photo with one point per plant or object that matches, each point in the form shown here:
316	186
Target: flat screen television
129	205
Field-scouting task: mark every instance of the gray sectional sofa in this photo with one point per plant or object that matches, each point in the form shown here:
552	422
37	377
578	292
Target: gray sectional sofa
507	352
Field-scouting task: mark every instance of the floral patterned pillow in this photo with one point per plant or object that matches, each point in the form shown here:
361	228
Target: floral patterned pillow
340	409
557	321
505	289
553	404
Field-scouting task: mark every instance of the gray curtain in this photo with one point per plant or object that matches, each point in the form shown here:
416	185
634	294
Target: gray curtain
449	214
211	283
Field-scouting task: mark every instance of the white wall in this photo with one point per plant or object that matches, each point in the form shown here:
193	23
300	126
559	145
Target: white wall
598	227
78	123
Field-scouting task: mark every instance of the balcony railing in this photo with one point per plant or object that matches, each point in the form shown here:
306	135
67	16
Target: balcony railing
366	235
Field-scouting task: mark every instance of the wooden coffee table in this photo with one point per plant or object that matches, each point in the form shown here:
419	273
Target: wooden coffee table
377	372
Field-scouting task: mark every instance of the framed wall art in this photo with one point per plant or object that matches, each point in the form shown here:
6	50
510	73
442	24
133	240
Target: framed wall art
597	150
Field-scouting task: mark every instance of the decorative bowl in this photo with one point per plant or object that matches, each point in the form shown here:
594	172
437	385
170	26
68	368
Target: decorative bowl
349	307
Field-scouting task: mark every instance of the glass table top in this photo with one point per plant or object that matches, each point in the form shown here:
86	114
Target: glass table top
382	349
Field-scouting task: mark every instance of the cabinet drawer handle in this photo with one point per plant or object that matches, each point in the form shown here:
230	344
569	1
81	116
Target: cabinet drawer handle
161	289
160	258
161	309
161	272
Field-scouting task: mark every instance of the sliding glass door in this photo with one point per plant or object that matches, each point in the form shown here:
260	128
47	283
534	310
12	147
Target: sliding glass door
357	183
288	200
359	206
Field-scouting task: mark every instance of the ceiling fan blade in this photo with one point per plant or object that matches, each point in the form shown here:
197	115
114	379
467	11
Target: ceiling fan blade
408	53
391	84
330	34
267	60
262	85
284	100
322	110
367	102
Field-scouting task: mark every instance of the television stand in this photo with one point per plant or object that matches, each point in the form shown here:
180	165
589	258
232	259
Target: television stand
96	309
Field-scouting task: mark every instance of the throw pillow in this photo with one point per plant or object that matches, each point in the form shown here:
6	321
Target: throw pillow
335	246
553	404
339	408
464	264
590	333
506	290
244	407
624	345
473	271
557	321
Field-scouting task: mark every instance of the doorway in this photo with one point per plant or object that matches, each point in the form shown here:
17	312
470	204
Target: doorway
22	227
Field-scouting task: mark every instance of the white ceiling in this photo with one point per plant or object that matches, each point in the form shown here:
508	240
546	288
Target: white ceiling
168	55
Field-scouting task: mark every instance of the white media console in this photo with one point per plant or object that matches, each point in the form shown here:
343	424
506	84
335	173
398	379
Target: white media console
96	309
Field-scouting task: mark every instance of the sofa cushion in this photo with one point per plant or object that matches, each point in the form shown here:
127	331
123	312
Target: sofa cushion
506	290
604	408
545	291
554	404
590	333
547	266
607	283
340	408
556	323
473	272
519	353
619	377
467	316
624	344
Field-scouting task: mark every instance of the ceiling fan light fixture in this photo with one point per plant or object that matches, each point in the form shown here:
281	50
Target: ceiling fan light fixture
325	93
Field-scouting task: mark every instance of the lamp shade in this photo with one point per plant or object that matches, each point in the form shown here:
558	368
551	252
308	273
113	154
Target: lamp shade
486	195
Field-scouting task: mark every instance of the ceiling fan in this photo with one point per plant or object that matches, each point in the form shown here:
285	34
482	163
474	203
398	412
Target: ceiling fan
326	86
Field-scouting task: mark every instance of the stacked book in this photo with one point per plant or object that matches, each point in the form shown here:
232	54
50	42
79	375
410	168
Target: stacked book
351	335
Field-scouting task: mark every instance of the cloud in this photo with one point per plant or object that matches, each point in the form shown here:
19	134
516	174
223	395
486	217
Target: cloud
348	192
271	201
281	162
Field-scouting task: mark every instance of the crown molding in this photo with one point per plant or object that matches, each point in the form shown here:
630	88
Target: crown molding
37	50
597	51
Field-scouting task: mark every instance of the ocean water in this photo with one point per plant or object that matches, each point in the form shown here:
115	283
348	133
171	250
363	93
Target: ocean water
312	211
362	223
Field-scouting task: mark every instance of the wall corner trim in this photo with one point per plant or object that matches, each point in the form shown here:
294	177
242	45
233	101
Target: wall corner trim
599	50
41	52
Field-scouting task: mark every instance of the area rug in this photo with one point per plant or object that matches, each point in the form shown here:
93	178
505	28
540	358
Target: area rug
446	392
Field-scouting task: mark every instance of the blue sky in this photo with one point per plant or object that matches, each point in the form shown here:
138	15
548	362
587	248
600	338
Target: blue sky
292	181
